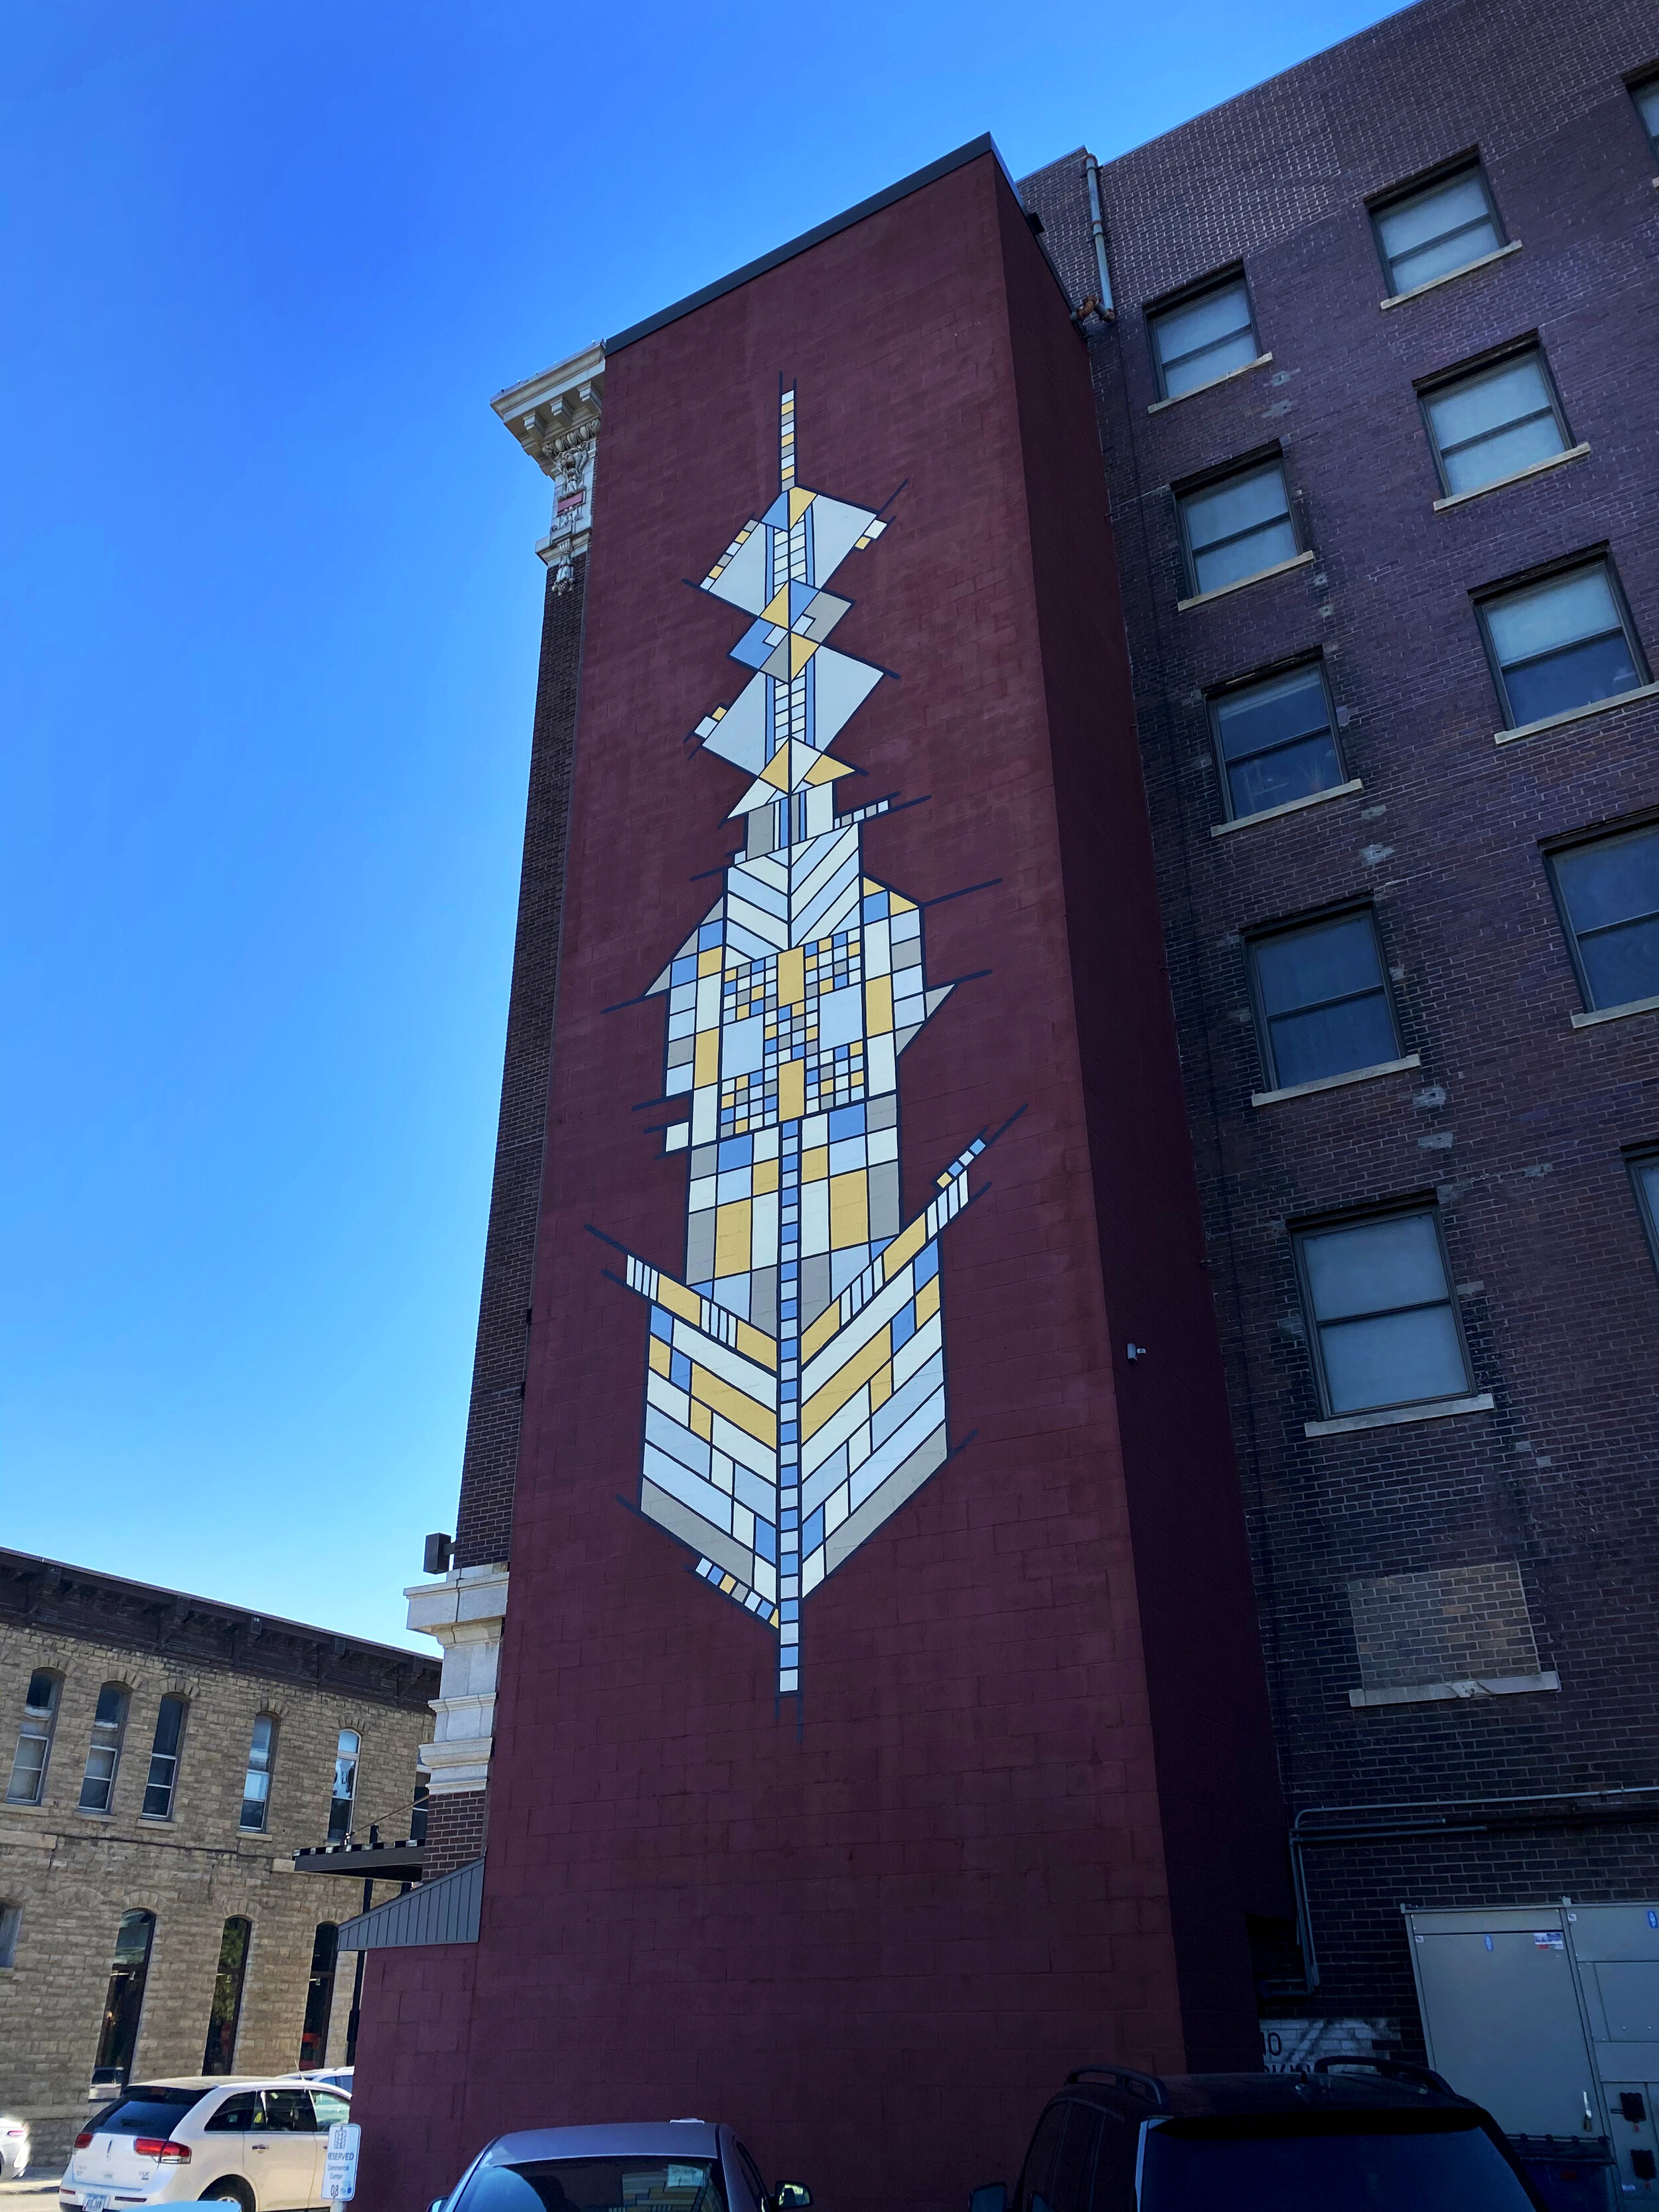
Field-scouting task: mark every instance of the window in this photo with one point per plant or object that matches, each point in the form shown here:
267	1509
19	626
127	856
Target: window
124	2005
1492	422
345	1785
226	2007
164	1761
1646	96
1608	895
1643	1174
1275	741
11	1919
1321	1001
28	1766
320	1995
288	2113
331	2109
235	2117
1563	643
417	1816
1238	526
1201	337
1385	1330
256	1782
108	1726
1437	229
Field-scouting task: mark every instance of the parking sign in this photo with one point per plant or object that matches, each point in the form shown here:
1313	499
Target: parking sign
340	2163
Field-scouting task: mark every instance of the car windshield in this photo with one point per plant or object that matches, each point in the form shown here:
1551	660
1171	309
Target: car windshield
1353	2161
146	2112
597	2184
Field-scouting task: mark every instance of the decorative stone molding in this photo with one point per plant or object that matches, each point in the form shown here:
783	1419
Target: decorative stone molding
465	1612
555	418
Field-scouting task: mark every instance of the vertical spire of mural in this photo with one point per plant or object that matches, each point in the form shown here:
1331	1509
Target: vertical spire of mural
796	1390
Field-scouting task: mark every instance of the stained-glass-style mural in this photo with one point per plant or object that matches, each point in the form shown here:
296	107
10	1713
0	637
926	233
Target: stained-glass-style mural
796	1391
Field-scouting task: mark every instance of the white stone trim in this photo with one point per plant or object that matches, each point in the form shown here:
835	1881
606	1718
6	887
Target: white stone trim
1498	253
1441	1409
465	1612
1289	807
1223	590
1615	1013
1514	476
1244	369
1335	1082
1474	1687
1576	713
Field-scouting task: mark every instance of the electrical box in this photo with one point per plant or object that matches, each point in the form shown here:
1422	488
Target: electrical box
1548	2015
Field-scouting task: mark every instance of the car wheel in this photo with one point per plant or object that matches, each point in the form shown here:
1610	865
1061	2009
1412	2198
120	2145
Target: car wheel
227	2192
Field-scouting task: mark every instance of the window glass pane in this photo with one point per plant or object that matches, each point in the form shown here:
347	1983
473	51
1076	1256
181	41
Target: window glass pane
1547	617
11	1919
1393	1360
346	1786
1306	967
227	2005
28	1766
1494	424
1239	528
1438	231
1374	1266
1323	993
1647	103
1204	339
98	1782
1276	742
1611	893
595	2184
1647	1175
164	1760
256	1782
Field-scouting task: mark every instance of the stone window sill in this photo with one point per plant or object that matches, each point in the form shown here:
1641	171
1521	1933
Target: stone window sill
1225	590
1498	253
1442	1409
1290	807
1244	369
1615	1013
1472	1690
1577	714
1514	477
1335	1082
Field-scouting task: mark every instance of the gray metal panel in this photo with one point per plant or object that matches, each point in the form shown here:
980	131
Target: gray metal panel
441	1912
1501	2016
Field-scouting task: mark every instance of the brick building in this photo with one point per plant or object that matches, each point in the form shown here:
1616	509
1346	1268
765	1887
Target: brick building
167	1757
1276	488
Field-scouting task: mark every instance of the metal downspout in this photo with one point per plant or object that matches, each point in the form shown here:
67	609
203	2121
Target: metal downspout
1097	222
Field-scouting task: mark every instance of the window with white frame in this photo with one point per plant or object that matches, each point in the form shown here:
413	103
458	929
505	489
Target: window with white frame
161	1786
256	1781
344	1795
1383	1325
34	1752
109	1724
1436	229
1564	643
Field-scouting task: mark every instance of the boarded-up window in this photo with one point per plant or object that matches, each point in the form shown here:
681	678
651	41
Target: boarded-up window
1450	1625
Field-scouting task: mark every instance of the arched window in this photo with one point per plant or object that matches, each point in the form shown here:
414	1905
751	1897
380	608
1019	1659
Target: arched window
256	1782
221	2045
320	1995
28	1766
345	1785
124	2006
109	1725
164	1755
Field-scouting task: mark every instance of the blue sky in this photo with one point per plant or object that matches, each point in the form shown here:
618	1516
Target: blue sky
270	612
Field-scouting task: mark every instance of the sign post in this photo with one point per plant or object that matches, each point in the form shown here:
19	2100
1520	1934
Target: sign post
340	2163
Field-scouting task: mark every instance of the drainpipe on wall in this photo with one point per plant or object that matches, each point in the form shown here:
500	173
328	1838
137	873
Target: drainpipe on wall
1098	223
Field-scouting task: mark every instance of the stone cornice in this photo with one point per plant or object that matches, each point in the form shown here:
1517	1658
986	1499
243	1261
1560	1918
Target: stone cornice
555	417
78	1602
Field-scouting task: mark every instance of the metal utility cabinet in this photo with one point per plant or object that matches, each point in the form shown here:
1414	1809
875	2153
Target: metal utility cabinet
1549	2016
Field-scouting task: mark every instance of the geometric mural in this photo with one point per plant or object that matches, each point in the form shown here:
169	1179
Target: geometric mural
796	1396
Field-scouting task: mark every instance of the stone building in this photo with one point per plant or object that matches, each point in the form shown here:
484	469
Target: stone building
1036	1550
165	1758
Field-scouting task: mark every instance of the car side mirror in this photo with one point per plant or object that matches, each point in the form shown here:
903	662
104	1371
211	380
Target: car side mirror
993	2196
791	2197
437	2204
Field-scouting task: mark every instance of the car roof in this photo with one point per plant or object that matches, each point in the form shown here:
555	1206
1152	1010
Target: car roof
1191	2096
202	2082
618	2139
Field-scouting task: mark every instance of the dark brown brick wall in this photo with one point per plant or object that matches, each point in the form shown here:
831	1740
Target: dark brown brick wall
1515	1121
456	1827
484	1527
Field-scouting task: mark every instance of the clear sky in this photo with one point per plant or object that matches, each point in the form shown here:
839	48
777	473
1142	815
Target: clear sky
270	611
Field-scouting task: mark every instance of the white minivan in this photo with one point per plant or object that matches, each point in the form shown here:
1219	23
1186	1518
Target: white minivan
257	2144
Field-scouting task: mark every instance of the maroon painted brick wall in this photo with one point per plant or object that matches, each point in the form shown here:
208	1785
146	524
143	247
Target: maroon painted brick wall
1517	1121
877	1941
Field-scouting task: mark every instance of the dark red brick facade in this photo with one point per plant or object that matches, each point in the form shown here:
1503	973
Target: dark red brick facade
1515	1121
1028	1799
